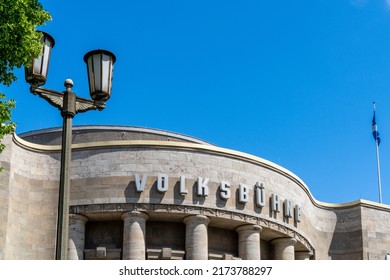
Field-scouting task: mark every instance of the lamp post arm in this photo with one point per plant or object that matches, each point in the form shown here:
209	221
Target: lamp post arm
55	98
84	105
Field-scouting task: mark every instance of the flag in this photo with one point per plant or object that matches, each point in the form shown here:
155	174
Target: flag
375	132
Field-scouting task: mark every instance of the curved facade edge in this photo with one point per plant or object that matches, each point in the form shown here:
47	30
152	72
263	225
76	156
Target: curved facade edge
115	128
205	149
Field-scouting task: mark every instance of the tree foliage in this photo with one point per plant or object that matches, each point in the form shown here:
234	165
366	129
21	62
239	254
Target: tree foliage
19	44
19	41
7	126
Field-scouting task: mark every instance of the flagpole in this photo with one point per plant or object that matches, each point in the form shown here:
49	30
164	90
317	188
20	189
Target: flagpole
377	139
378	171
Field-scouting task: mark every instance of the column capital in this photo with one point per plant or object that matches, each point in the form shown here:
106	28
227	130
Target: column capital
303	255
134	214
284	248
249	227
288	241
199	218
78	217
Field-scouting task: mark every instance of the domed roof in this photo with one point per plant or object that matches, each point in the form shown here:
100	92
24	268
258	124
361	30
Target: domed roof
98	133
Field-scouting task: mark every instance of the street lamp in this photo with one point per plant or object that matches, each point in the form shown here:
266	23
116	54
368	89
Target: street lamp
100	66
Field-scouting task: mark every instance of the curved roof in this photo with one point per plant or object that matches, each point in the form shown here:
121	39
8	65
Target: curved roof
98	133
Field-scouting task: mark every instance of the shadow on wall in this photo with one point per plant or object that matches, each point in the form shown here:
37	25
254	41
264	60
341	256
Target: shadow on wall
131	194
347	239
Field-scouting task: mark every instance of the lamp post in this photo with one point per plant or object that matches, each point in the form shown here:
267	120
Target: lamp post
100	66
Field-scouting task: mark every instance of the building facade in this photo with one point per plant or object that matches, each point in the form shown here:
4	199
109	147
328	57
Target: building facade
140	193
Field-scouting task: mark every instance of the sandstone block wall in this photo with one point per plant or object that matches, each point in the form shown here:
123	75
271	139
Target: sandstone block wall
104	180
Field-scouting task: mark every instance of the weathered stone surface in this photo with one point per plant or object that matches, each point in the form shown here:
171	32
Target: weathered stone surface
168	181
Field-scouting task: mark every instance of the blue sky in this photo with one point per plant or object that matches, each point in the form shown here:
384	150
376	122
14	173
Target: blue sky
289	81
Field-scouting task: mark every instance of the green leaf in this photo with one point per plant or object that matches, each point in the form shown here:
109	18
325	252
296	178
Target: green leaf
19	45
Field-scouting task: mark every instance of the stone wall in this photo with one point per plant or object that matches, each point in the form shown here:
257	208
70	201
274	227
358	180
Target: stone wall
347	242
375	232
5	163
32	205
107	178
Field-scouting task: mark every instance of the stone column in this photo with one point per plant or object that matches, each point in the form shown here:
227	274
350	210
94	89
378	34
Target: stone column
196	237
303	255
284	248
134	228
249	242
76	243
